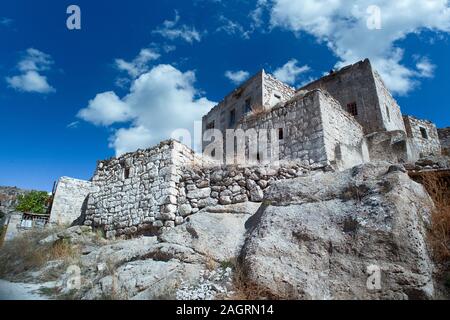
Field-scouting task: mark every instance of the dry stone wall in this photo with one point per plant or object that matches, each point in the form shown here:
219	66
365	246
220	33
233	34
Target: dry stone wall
275	91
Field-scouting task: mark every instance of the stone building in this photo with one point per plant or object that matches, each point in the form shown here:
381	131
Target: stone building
444	137
341	120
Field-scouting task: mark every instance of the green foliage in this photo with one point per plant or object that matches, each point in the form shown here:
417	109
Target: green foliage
33	202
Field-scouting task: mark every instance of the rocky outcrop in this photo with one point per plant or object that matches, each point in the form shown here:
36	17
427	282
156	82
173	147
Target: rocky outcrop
328	236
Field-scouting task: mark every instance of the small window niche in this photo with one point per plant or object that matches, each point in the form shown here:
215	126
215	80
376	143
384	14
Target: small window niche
424	133
126	173
232	120
211	125
280	134
388	114
352	108
248	106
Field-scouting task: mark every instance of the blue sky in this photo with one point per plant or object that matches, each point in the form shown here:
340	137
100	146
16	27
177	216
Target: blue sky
140	69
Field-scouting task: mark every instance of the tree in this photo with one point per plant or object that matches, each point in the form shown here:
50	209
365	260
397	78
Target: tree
33	202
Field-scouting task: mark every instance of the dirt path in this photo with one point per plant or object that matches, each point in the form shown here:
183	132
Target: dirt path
20	291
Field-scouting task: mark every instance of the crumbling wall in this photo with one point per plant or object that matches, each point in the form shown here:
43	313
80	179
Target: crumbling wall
444	137
345	145
423	136
275	91
138	191
390	146
70	200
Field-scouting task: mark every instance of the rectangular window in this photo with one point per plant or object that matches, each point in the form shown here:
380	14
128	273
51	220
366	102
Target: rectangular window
210	125
127	173
424	133
248	106
352	109
232	121
280	134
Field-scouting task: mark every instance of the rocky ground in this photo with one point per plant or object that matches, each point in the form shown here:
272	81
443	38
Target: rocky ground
357	234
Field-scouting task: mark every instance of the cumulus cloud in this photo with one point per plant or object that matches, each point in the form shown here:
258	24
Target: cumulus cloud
31	79
139	64
290	72
172	30
425	67
105	109
160	101
237	77
344	27
131	139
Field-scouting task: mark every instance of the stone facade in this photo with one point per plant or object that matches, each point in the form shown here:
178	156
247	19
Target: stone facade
423	136
342	120
444	137
70	200
139	191
259	93
360	90
314	130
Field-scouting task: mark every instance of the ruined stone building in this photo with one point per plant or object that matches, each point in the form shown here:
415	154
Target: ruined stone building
341	120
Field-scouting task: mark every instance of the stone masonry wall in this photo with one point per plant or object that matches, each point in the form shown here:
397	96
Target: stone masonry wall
390	110
275	91
344	137
359	84
139	191
423	135
70	200
300	120
444	137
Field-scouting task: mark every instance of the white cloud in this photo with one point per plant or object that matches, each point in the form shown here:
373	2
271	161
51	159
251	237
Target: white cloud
290	72
132	139
237	77
342	25
31	81
171	30
105	109
425	67
32	63
139	65
160	101
232	28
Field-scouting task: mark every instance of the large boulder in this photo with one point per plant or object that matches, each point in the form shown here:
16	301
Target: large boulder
358	234
216	232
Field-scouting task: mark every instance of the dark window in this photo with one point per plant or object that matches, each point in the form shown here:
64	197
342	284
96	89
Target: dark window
388	114
232	121
248	106
352	109
210	125
277	96
424	133
127	173
258	157
280	134
213	153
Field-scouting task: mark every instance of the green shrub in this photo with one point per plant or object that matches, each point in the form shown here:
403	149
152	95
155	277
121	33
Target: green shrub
33	202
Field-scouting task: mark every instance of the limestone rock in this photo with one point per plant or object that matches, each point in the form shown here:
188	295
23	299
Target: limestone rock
317	237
